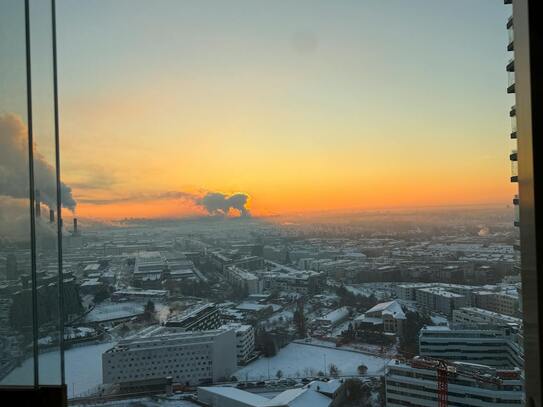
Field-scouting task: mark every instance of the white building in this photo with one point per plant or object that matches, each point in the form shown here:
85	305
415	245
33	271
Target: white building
186	357
245	340
473	315
388	315
233	397
333	318
440	300
415	384
489	345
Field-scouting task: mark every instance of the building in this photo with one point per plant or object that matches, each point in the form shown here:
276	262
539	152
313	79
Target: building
388	316
415	384
190	358
474	315
245	341
440	300
135	294
233	397
148	269
333	318
200	317
243	279
292	280
490	345
506	303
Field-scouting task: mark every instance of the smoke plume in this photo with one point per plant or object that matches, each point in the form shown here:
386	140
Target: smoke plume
14	166
217	203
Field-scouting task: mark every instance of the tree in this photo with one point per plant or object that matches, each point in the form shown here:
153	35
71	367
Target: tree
102	294
362	369
299	319
279	374
334	370
410	332
149	311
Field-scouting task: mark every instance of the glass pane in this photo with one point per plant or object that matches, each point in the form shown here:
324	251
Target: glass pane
16	358
45	191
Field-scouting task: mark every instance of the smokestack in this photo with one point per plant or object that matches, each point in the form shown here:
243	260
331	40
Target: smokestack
51	216
38	203
75	226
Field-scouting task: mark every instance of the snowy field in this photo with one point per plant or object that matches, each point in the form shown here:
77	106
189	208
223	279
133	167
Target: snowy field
300	360
83	368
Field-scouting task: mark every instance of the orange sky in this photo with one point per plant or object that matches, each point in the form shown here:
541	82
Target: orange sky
300	116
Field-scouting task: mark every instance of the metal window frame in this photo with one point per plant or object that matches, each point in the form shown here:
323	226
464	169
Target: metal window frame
529	101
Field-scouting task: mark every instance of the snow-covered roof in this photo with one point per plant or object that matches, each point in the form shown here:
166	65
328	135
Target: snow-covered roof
329	387
300	398
233	393
388	308
293	398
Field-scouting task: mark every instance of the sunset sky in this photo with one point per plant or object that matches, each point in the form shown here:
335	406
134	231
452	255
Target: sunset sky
302	105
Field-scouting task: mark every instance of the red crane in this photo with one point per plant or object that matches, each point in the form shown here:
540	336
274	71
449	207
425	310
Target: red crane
445	369
442	384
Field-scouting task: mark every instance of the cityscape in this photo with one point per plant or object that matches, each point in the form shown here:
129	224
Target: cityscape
283	308
273	259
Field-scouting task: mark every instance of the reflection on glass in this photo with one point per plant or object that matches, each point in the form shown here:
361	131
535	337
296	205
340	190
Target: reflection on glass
15	261
30	345
45	191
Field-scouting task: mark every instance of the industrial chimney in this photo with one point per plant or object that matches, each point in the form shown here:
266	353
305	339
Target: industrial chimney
51	216
75	227
38	203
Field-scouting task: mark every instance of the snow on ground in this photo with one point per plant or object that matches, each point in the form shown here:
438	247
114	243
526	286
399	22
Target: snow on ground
113	310
366	291
439	320
156	401
341	327
300	360
83	368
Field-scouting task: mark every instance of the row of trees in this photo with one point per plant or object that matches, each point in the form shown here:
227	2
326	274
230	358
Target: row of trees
360	302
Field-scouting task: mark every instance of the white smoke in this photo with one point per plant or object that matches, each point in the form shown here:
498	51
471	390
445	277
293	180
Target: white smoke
14	166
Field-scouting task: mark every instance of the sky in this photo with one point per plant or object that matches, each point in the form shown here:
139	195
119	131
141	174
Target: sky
301	106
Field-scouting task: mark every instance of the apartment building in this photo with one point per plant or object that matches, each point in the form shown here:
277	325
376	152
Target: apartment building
200	317
440	300
501	302
474	315
245	340
190	358
242	278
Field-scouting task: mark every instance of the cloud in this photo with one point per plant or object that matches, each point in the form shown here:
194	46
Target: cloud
215	203
14	166
159	196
